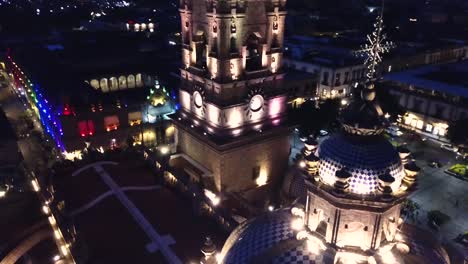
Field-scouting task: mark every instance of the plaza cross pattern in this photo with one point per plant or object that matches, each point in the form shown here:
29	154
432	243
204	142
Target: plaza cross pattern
158	242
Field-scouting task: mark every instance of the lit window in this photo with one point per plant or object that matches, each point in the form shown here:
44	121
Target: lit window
420	124
442	132
429	128
86	128
111	123
134	118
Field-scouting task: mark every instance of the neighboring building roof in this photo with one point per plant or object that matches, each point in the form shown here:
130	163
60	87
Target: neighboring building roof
61	69
447	78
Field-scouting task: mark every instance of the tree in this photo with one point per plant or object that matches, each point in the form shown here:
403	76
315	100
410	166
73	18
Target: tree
458	131
311	119
389	104
410	209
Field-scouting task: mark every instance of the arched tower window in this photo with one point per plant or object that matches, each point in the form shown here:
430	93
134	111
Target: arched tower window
254	57
187	32
104	86
95	84
122	82
113	84
200	49
131	81
139	81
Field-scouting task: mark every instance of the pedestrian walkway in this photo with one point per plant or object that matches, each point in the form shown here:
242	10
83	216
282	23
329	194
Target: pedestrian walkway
110	193
158	242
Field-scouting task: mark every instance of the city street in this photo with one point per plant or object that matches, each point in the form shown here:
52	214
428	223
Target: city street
439	191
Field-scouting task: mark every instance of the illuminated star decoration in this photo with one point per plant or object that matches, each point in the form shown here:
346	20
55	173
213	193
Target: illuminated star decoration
375	47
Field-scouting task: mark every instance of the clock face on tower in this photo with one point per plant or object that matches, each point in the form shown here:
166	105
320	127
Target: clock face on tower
256	103
197	99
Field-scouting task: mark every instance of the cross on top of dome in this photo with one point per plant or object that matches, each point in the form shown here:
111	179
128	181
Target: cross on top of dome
375	47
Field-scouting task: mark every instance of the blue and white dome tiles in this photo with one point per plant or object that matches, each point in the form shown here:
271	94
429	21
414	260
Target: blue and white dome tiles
268	239
365	158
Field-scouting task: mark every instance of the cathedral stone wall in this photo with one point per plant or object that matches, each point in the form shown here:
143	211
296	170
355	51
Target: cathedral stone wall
347	227
240	169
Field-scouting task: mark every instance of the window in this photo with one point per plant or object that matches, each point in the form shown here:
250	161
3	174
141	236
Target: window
325	78
255	172
134	118
122	82
131	81
346	78
337	79
113	84
419	124
253	58
439	111
95	84
111	123
429	128
408	120
104	86
86	128
139	81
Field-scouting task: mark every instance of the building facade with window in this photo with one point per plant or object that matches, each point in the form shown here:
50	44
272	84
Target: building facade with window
336	75
95	101
433	96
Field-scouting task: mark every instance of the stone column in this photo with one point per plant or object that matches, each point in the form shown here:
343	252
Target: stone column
411	171
310	147
404	154
385	180
312	166
341	182
209	252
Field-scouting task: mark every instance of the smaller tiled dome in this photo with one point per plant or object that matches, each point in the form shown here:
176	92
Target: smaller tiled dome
266	239
365	157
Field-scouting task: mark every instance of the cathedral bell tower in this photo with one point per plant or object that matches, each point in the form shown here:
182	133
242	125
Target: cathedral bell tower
232	122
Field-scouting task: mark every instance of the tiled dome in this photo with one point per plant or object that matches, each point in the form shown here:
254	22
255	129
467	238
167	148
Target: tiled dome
271	239
267	239
365	157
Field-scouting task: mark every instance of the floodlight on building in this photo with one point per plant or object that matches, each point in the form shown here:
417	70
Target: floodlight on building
297	224
164	150
35	185
302	164
46	209
215	200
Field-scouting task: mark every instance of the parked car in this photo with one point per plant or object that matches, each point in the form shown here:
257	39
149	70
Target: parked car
394	131
449	147
323	133
434	164
462	155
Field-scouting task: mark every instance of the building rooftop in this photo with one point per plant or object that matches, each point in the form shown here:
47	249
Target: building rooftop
447	78
62	69
112	228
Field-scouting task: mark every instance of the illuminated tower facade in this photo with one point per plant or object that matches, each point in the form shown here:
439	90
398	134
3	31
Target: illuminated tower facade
233	104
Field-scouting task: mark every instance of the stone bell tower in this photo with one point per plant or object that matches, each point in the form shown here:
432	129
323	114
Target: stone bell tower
232	123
